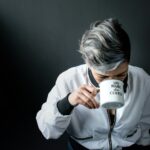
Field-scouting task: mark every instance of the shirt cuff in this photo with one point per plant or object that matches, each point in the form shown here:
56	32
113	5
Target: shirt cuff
64	106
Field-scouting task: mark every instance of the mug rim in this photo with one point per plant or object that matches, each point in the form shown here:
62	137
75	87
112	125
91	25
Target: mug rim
107	80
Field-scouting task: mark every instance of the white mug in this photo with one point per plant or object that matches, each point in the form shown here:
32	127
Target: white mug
111	94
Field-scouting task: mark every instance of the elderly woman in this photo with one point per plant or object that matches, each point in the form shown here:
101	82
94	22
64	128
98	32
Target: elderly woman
73	103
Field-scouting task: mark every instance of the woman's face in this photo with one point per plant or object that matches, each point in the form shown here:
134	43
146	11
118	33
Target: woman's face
119	73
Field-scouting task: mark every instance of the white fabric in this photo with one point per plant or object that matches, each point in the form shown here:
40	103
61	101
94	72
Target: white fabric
90	127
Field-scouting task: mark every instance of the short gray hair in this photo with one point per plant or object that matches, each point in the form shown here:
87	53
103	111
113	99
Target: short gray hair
105	45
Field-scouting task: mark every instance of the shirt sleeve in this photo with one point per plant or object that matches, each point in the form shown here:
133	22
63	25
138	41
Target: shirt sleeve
64	107
50	121
145	120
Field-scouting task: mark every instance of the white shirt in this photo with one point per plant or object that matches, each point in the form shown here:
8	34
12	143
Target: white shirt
90	127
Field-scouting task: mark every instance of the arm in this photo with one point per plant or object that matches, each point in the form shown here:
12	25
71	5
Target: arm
145	120
55	114
50	121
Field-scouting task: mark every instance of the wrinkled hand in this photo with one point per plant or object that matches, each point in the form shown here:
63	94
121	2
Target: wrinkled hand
84	95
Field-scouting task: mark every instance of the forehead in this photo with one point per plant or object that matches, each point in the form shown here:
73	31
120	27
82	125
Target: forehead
120	69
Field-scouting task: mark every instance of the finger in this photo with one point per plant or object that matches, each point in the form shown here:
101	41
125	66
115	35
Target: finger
91	89
91	97
86	100
98	90
96	104
87	93
84	104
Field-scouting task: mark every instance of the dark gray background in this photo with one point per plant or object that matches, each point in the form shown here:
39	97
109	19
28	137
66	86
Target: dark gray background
38	40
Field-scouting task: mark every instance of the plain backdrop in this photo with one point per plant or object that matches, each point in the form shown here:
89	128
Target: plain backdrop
38	40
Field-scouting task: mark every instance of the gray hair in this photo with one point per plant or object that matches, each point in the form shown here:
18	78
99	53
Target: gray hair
105	45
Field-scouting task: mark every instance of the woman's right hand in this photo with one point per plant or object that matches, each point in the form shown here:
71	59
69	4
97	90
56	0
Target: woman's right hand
84	95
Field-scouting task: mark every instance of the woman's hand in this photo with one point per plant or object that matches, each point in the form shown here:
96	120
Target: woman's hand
84	95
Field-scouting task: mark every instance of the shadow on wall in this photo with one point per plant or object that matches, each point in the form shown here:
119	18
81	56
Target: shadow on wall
20	96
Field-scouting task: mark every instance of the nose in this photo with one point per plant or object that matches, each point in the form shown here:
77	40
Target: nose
110	78
113	77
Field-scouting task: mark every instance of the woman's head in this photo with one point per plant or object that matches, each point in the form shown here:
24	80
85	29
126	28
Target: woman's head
105	45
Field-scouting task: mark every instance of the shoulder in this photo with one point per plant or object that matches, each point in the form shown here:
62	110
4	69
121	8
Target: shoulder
73	72
138	72
139	76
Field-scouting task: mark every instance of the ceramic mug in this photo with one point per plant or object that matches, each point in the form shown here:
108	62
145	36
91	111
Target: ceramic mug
111	94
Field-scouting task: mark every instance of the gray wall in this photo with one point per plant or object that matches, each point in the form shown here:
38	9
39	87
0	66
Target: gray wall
38	40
